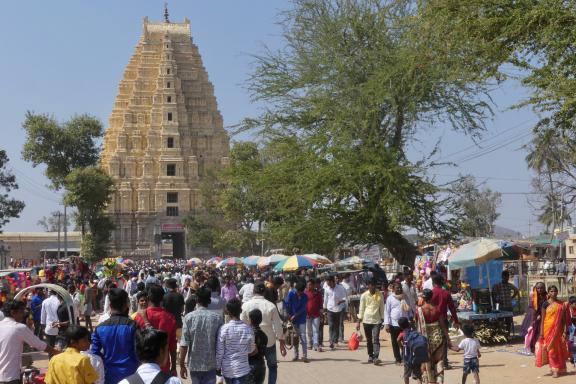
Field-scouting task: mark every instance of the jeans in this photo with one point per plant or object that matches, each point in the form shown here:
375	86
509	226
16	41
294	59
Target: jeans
258	371
208	377
372	332
313	328
301	329
342	317
271	363
394	333
334	326
51	340
237	380
38	329
321	332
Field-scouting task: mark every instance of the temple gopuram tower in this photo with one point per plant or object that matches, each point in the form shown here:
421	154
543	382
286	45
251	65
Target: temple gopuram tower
164	133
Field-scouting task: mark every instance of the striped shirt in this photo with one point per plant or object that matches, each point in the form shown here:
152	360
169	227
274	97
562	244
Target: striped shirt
235	343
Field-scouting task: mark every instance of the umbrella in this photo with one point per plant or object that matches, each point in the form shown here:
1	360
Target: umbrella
354	260
318	258
213	260
251	261
230	262
271	260
475	253
193	262
294	263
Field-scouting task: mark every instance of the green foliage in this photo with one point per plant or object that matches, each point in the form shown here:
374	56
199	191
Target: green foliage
61	147
478	207
9	207
90	190
346	95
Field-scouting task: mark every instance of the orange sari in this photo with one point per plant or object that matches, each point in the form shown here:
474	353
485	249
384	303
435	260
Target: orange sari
554	326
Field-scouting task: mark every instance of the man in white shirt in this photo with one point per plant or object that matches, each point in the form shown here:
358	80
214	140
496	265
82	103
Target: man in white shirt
247	291
13	334
152	350
409	290
271	325
396	307
428	284
49	316
334	302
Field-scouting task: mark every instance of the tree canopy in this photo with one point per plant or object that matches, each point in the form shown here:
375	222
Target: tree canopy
9	206
62	147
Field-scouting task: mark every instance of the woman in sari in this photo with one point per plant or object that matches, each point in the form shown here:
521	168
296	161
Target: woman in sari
432	325
533	318
555	321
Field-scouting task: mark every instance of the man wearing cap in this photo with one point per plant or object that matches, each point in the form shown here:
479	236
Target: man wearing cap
271	325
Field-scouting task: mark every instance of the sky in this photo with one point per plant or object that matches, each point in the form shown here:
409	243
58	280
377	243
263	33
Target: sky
68	57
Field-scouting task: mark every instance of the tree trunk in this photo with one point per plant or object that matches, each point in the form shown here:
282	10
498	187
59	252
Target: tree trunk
403	251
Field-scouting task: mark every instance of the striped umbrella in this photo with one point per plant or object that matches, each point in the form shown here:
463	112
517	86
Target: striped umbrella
319	258
294	263
230	262
271	260
251	261
193	262
213	260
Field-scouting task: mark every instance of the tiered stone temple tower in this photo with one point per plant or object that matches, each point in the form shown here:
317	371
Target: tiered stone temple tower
165	132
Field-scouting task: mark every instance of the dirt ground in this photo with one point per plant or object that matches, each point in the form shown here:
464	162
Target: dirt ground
499	364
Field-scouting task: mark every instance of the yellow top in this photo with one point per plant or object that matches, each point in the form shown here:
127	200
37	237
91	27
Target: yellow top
371	307
70	367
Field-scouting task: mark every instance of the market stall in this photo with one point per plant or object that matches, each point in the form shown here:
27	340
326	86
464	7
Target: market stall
479	267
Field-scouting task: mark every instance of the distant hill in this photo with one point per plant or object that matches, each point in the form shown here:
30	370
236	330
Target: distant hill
506	233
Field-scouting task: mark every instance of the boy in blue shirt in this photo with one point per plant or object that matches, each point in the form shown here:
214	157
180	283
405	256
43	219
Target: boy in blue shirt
297	311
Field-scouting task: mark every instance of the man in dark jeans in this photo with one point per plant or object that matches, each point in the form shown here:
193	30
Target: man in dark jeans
334	301
371	315
396	308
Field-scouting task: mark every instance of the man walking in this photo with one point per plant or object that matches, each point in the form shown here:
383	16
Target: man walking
49	317
114	339
396	307
159	318
13	335
174	303
371	315
271	325
334	302
199	336
313	314
297	310
409	291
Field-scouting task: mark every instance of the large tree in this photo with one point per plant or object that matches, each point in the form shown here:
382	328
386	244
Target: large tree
478	207
90	191
61	147
9	206
344	98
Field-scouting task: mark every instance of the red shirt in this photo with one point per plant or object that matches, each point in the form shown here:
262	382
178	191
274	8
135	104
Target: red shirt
315	303
162	320
443	300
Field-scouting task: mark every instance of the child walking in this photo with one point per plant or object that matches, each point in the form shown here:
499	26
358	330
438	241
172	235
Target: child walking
471	348
412	367
71	366
256	358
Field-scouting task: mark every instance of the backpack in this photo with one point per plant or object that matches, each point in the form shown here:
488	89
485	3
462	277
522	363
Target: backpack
160	378
415	349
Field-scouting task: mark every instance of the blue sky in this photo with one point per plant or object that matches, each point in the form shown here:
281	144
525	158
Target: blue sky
68	57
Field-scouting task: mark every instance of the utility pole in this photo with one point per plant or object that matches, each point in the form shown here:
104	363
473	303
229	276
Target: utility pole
58	254
65	234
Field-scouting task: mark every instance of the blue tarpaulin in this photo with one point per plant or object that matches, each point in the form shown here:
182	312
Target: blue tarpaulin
477	276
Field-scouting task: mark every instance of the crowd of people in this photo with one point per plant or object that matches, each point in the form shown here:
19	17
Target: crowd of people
162	321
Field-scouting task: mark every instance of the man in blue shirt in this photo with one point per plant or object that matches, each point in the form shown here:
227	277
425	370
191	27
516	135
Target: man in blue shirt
115	339
297	304
36	308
